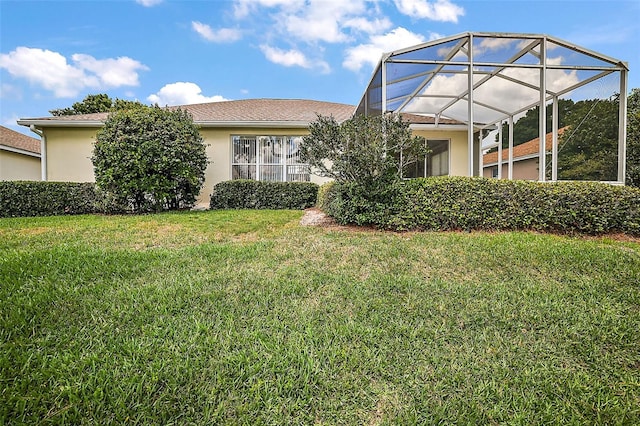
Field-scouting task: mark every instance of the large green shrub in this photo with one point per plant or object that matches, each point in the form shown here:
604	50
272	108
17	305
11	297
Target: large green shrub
251	194
149	159
458	203
368	150
24	198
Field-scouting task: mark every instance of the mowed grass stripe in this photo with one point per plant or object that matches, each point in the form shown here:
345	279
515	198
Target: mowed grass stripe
256	320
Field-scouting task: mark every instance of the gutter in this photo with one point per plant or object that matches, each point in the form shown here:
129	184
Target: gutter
254	124
439	127
59	123
43	151
19	151
98	123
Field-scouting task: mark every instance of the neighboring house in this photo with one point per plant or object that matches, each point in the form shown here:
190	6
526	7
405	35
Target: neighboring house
525	159
246	139
19	156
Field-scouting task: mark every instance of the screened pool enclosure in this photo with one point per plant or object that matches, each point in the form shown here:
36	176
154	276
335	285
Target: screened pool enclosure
490	81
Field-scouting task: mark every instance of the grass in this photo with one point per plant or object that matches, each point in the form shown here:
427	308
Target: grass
244	317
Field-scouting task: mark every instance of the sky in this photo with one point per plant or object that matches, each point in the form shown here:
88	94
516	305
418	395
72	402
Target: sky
171	52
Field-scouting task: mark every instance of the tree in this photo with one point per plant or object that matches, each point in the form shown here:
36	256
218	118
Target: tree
96	103
588	150
149	159
369	150
528	126
633	138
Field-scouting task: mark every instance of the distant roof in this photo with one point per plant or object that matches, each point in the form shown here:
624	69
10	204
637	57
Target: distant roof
12	139
526	149
247	112
425	119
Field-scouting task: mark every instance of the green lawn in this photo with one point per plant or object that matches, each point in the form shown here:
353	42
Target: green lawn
245	317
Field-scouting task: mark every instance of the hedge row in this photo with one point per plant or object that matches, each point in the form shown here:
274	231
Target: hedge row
24	198
458	203
251	194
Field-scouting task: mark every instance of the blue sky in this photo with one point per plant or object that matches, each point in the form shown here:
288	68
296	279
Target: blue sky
54	53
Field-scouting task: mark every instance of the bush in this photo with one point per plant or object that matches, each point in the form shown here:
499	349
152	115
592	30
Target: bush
22	198
326	193
149	159
369	150
252	194
458	203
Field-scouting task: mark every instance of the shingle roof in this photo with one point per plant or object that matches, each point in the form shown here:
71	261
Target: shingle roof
426	119
528	148
297	110
17	140
246	110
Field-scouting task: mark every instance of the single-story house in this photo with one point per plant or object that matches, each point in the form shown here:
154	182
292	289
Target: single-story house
525	159
246	139
19	156
451	90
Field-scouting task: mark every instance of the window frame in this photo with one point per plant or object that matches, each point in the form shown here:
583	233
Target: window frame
428	156
289	170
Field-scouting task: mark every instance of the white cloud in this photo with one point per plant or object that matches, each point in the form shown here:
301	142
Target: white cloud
288	58
182	93
370	53
498	92
292	58
242	8
111	72
7	91
11	121
438	10
222	35
330	21
51	70
372	26
149	3
323	20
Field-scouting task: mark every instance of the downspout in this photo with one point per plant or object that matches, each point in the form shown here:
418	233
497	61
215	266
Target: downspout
43	151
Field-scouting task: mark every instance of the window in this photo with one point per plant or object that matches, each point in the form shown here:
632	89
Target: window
269	158
436	163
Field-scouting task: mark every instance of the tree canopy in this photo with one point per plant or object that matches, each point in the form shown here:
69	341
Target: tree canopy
588	150
149	159
633	138
527	127
96	103
370	150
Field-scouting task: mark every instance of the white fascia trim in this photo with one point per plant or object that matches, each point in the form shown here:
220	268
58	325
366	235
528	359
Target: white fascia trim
60	123
255	124
19	151
94	124
440	127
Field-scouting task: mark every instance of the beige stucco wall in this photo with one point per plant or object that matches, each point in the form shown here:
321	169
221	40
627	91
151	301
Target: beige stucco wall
15	166
523	169
219	153
458	159
69	153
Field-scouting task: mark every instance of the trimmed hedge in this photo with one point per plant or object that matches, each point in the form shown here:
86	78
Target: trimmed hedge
252	194
459	203
25	198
